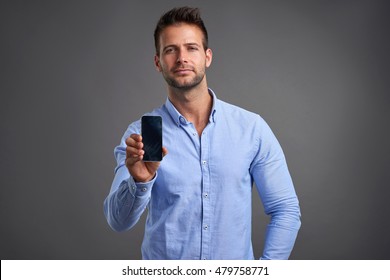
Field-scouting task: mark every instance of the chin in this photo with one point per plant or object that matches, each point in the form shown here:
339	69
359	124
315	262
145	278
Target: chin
183	83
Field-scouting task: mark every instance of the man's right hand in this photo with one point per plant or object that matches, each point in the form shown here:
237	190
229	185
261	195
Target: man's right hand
140	171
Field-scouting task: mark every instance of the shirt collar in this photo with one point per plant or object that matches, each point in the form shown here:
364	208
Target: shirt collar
180	119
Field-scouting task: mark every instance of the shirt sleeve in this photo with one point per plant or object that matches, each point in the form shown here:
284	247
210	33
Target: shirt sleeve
127	199
277	193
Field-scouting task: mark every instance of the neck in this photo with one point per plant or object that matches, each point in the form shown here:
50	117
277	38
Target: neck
194	104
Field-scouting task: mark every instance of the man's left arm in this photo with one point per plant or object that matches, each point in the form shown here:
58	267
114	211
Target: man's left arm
274	184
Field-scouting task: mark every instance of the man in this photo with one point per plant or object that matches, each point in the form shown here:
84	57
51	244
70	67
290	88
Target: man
199	196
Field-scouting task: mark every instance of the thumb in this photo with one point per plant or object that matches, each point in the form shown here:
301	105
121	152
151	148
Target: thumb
164	151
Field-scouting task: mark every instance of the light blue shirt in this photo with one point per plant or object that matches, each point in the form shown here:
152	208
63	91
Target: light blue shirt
199	202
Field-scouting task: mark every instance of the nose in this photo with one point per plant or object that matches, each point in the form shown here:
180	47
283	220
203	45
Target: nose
182	57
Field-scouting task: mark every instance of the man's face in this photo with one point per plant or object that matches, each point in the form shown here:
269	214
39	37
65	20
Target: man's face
182	58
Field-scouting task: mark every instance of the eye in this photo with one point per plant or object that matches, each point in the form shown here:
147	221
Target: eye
192	48
169	50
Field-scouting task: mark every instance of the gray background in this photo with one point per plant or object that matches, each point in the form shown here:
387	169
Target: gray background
74	74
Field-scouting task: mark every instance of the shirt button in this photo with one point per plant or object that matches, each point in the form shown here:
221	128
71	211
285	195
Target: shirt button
144	189
205	195
182	120
204	162
205	227
194	134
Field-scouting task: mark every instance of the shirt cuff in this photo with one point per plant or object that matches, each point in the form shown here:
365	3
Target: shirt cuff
140	189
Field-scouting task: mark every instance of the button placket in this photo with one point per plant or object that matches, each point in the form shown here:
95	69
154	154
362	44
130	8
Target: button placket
206	207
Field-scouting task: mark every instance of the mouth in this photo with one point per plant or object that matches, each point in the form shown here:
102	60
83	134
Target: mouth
183	71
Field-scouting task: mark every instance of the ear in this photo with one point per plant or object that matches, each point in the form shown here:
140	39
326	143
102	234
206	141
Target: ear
157	63
209	57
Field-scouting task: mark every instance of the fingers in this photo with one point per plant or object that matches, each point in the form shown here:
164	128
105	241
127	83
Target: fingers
134	150
133	139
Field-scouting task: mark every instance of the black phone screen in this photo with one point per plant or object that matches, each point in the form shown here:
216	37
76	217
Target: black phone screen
151	131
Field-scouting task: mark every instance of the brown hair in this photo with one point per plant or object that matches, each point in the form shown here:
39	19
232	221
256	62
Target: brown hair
180	15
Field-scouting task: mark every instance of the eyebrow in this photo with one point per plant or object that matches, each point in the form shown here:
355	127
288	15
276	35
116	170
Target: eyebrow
192	44
186	44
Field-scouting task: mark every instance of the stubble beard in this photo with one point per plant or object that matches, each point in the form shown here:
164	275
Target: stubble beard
173	82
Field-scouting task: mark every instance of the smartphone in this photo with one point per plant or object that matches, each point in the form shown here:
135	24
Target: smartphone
151	131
